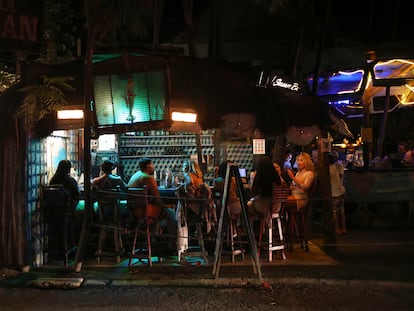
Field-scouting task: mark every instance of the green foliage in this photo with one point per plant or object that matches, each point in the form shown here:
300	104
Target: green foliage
43	99
62	27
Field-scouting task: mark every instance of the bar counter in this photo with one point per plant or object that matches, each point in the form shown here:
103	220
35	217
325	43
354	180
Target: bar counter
168	197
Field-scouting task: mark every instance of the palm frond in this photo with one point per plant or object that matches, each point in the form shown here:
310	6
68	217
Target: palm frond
44	98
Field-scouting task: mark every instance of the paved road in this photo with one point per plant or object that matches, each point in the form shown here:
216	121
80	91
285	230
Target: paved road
283	296
373	270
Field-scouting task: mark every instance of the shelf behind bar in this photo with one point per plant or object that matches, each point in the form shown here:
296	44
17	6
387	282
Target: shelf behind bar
155	156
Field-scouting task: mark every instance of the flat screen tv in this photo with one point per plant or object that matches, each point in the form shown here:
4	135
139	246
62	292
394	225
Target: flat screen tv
129	98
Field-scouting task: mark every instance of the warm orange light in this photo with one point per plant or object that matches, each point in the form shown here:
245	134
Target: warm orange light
184	117
70	114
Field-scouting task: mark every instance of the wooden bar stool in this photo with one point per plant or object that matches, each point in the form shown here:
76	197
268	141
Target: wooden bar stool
191	215
297	220
231	229
144	215
273	223
59	219
296	227
108	215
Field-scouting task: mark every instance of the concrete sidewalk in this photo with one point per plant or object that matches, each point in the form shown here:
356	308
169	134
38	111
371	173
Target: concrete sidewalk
380	257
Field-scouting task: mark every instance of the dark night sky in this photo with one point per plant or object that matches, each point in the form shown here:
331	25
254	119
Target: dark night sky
351	19
389	18
173	20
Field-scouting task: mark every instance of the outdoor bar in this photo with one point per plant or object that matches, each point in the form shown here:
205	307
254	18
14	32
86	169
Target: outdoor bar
137	109
176	109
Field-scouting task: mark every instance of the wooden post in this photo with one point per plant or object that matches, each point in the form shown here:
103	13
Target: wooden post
383	128
328	228
87	117
199	151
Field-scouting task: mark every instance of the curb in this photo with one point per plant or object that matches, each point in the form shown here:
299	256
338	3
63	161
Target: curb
245	282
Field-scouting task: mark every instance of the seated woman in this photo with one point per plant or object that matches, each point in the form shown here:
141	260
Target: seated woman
233	201
262	188
196	189
62	177
301	181
193	177
280	173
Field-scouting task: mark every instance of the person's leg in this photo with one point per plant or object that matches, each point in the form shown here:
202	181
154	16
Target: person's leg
335	203
171	224
250	211
341	215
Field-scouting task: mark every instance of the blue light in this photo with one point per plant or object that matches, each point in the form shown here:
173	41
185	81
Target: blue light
338	82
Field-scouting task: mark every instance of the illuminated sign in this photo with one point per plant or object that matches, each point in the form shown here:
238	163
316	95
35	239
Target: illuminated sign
276	81
16	26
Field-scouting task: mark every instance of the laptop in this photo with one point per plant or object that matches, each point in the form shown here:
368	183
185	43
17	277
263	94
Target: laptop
242	172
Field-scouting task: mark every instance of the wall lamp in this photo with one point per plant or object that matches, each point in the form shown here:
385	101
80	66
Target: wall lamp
70	114
184	116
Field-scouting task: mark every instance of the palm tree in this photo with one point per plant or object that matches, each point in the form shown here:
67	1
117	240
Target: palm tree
40	100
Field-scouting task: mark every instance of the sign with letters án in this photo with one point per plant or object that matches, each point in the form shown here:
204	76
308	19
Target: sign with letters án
19	24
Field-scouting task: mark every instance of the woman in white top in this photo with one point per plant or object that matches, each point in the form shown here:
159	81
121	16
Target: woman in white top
302	181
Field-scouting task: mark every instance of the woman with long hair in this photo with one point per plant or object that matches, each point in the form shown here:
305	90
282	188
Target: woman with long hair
301	181
266	176
62	177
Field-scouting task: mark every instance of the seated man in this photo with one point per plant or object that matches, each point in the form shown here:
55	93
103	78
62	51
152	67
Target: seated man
144	178
106	181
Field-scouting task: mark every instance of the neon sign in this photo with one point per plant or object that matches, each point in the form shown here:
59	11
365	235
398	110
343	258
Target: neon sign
276	81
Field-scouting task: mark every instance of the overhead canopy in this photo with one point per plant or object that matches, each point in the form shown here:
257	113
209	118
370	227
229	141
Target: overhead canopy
211	88
216	88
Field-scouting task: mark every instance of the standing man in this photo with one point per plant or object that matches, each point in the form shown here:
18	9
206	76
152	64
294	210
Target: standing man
145	178
336	173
